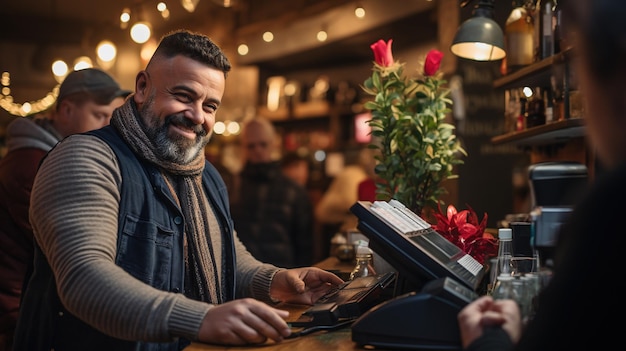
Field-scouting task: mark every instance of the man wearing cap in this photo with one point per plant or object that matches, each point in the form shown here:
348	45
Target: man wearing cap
86	101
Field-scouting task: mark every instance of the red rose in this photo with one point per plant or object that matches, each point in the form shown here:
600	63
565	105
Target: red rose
433	61
382	52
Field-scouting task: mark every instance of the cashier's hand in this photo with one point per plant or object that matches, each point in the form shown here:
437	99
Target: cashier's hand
243	321
302	285
485	312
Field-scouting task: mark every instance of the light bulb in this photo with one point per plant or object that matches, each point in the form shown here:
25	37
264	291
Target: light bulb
59	69
140	32
243	49
189	5
82	63
359	12
268	36
106	51
322	35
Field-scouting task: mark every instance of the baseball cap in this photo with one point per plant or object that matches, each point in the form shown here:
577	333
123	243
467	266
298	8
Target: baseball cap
91	80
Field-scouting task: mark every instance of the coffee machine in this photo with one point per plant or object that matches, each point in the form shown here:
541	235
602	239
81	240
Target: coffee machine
555	189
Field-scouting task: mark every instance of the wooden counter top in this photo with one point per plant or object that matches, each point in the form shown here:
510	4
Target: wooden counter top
337	340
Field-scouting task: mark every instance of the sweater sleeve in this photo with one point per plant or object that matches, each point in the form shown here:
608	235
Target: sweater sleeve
253	277
74	214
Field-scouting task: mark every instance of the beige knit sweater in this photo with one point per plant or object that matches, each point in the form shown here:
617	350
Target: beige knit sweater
74	214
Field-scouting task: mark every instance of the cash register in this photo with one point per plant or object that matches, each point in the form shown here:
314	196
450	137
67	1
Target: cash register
436	279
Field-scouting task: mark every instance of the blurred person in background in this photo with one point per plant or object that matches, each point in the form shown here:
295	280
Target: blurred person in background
86	101
295	167
273	214
582	306
332	212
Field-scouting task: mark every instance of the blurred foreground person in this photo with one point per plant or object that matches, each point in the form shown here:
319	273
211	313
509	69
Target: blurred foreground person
86	101
581	307
135	247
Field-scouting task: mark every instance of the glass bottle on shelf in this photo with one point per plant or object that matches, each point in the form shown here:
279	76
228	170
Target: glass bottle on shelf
535	111
521	117
549	105
557	25
534	8
512	110
519	34
547	30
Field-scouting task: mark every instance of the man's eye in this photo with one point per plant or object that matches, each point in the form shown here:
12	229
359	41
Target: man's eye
183	97
210	108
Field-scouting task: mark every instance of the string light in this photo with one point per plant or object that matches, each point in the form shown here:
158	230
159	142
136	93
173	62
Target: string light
124	18
322	35
243	49
140	32
27	108
189	5
268	36
359	11
162	8
82	63
106	51
60	70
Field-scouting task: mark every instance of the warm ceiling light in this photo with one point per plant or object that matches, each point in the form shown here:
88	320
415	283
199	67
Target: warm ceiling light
268	36
226	3
59	69
322	35
479	38
82	63
163	10
243	49
124	18
106	51
233	127
140	32
359	12
219	127
189	5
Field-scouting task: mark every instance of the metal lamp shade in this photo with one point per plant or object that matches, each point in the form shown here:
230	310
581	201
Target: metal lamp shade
480	39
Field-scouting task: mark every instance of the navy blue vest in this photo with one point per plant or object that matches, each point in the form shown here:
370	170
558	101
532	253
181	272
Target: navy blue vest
149	247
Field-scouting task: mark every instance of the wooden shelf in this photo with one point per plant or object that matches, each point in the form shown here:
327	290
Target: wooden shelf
535	75
551	133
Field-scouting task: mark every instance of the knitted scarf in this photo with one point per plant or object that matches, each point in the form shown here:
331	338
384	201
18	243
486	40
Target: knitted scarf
185	183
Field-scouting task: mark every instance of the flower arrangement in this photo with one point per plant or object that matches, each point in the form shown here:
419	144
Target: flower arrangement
418	149
465	231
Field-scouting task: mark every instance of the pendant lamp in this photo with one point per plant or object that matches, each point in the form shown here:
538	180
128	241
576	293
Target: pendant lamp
479	38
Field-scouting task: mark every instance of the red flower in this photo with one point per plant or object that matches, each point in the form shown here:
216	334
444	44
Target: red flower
432	63
465	231
382	52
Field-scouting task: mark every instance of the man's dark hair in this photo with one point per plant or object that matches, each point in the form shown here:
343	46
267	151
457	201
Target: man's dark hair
193	45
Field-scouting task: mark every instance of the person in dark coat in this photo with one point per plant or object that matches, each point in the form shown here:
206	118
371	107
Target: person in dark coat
273	214
582	305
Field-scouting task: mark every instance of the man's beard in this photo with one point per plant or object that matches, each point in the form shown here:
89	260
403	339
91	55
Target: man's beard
173	148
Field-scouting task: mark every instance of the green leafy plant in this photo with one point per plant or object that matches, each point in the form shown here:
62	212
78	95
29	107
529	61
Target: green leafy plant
418	149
